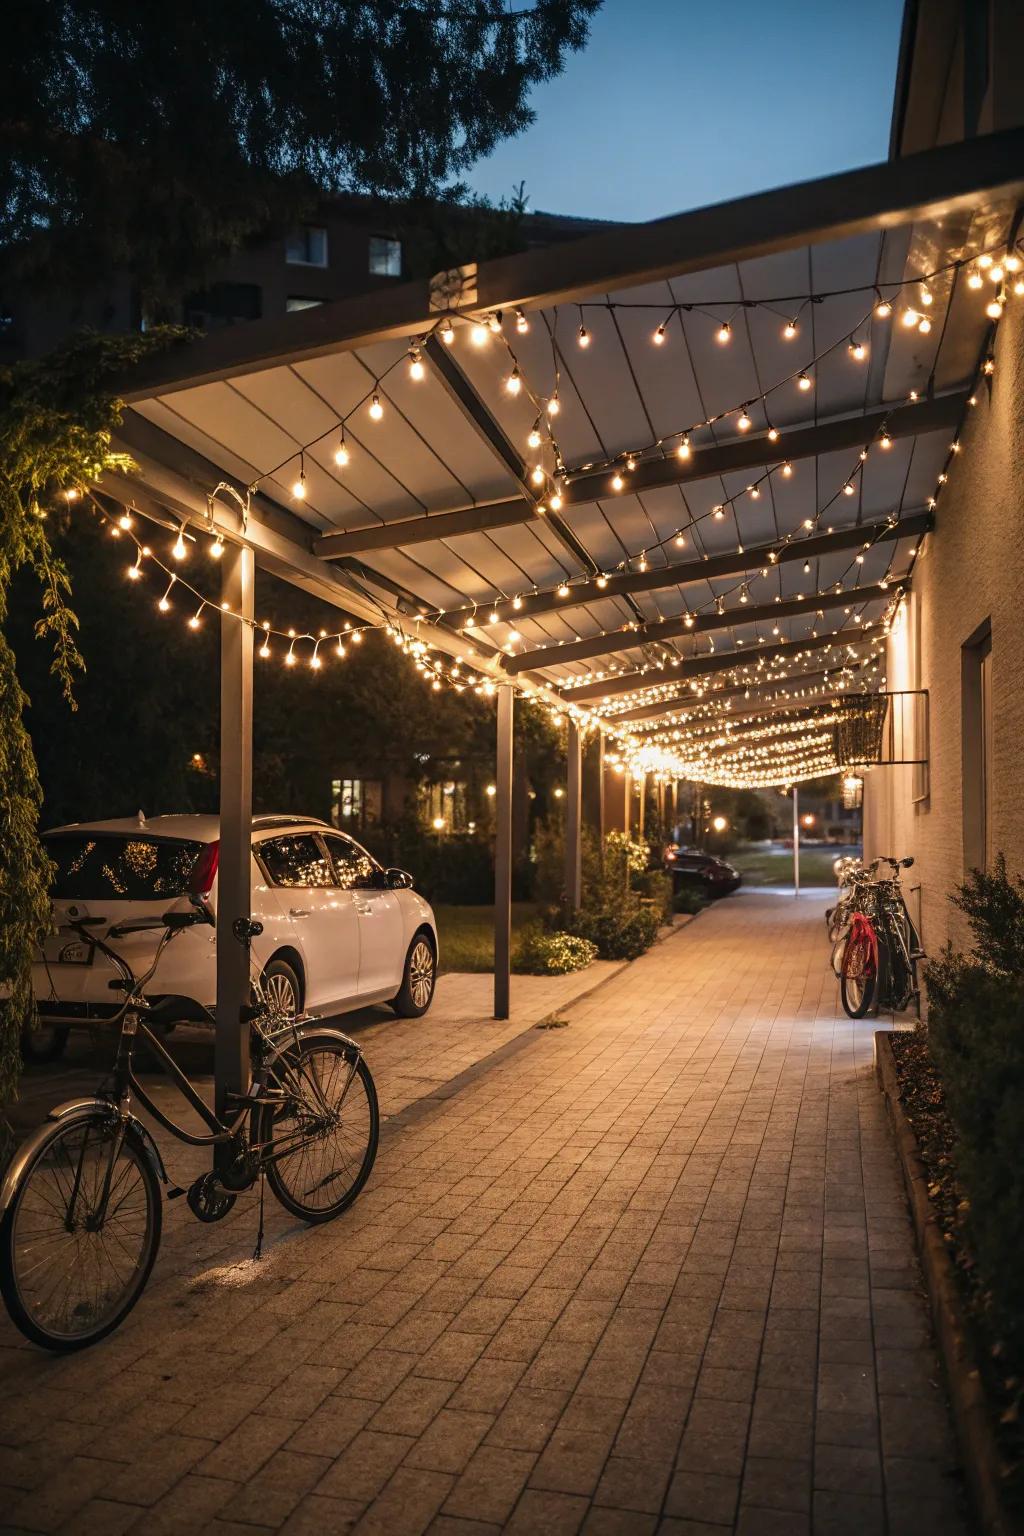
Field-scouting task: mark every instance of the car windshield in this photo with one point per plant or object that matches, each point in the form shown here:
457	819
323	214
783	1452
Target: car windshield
91	867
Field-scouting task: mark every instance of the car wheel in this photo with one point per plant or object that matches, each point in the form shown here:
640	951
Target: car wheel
283	988
41	1042
418	980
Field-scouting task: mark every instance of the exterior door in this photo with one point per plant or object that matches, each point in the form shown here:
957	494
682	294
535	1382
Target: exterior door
379	911
321	919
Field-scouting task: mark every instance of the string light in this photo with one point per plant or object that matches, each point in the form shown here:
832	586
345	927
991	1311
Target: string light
534	439
217	548
583	336
416	368
341	453
724	333
789	330
447	332
376	409
744	423
522	324
803	381
514	382
479	334
683	451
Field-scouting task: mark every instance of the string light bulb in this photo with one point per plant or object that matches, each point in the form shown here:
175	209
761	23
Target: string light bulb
803	381
683	451
994	309
341	453
537	475
479	335
787	469
522	324
447	332
534	439
125	520
858	351
553	406
217	548
789	330
416	368
724	333
376	409
883	309
563	589
744	422
180	551
659	336
514	381
975	279
617	482
583	336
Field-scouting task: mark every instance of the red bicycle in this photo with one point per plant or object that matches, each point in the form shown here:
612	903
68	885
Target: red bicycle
876	953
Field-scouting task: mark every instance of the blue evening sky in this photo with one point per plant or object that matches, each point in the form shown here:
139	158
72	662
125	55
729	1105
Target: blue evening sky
678	103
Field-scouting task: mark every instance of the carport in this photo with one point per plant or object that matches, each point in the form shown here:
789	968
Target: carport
670	480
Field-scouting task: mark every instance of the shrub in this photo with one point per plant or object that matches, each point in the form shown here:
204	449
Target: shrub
689	900
553	954
976	1039
619	930
657	887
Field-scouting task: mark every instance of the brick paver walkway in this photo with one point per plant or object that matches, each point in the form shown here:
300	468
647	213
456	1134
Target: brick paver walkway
650	1272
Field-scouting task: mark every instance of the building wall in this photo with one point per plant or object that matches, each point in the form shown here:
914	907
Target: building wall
971	570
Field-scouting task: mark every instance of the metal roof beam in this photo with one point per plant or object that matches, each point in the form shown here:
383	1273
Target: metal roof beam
473	407
702	666
681	573
671	629
418	530
746	452
933	184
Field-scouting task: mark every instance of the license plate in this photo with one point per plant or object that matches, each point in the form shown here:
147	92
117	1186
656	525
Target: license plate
77	953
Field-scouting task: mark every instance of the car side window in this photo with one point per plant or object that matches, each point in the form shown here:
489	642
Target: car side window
296	861
352	864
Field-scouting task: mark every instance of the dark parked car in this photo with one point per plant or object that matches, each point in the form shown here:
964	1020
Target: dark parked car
704	872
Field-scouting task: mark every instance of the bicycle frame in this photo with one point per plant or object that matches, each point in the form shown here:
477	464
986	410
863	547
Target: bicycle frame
220	1132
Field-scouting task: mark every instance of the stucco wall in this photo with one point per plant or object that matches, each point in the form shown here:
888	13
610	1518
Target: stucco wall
971	570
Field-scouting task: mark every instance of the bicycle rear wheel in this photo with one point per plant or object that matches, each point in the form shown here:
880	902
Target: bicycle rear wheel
73	1263
321	1142
859	979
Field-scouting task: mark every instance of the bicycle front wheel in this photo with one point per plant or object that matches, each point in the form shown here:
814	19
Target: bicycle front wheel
320	1142
79	1238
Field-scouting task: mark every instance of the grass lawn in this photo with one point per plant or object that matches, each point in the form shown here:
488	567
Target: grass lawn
774	866
466	934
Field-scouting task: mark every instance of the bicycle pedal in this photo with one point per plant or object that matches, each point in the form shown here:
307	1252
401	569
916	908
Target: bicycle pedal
175	1192
208	1200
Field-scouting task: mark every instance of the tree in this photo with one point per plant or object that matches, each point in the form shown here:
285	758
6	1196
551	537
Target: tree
138	139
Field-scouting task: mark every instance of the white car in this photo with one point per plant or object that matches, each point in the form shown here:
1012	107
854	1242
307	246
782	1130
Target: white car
339	932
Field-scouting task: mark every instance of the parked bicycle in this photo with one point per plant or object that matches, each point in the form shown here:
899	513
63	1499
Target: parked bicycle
80	1205
875	945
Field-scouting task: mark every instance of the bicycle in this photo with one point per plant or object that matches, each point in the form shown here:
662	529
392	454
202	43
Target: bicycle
876	946
80	1204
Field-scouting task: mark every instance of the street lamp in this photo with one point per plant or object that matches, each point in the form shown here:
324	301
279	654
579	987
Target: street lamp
719	823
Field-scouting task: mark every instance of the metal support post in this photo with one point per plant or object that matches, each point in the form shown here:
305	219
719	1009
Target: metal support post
234	892
503	855
574	820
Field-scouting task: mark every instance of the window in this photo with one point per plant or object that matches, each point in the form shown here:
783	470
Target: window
121	868
306	246
294	302
385	256
296	861
356	802
352	864
976	726
443	806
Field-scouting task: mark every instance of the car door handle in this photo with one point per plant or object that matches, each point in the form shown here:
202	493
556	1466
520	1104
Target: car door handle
298	911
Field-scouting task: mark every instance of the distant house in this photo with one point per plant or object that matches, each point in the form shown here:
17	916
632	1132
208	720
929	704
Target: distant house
351	245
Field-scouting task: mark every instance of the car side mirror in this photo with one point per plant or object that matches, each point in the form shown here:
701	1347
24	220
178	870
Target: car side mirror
376	880
398	880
